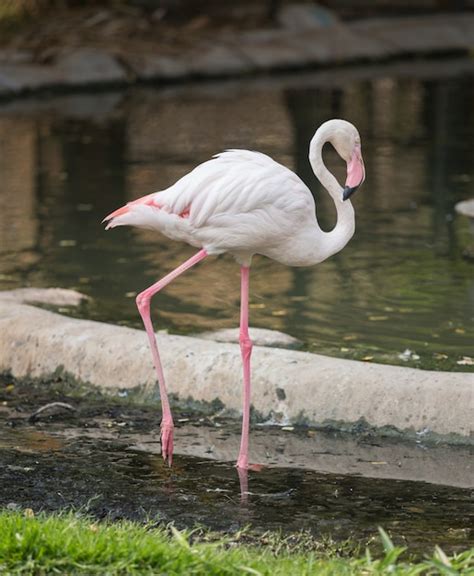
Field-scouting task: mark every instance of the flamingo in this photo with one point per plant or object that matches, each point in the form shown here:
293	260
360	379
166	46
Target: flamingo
244	203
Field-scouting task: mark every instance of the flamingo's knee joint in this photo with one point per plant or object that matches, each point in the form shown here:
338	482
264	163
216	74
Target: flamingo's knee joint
246	345
143	302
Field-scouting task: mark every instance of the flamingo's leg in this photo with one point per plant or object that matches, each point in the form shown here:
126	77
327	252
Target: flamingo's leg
246	350
143	304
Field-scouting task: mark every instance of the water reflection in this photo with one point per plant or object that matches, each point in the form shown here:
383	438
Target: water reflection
402	281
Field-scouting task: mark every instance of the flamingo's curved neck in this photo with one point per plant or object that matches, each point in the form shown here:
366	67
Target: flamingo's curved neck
339	236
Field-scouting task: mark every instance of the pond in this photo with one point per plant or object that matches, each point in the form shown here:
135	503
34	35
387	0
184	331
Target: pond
402	291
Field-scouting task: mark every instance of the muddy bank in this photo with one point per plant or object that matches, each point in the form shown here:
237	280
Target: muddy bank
58	462
288	386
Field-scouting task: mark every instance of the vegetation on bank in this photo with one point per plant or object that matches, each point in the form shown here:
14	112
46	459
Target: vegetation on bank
73	544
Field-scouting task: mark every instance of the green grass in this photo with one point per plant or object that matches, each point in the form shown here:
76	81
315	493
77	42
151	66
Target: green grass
74	544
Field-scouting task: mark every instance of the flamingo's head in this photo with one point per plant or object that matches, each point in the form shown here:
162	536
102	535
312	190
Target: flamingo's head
346	140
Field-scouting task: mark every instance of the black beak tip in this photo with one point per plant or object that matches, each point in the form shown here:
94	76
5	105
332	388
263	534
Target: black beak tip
348	191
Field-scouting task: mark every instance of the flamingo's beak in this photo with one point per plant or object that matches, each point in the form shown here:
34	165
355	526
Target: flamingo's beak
355	173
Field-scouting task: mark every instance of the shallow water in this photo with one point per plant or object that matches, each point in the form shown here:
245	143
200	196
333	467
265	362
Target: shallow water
403	282
104	457
109	479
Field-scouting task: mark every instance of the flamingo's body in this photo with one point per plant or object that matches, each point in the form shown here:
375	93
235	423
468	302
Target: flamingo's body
245	203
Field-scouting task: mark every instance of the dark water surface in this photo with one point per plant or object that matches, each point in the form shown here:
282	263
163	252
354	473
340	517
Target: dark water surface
403	282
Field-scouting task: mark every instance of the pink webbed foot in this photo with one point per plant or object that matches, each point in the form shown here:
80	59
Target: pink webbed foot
167	434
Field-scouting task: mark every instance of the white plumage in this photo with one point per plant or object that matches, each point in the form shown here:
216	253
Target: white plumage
240	202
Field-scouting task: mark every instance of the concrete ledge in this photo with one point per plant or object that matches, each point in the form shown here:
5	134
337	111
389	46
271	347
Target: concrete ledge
83	67
288	385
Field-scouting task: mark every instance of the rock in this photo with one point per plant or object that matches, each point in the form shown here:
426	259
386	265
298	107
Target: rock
340	44
54	296
205	60
157	66
85	66
465	208
298	17
18	78
415	34
465	24
12	56
218	60
272	49
259	336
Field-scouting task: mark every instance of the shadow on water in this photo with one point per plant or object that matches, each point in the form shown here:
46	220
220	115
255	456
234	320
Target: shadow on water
402	283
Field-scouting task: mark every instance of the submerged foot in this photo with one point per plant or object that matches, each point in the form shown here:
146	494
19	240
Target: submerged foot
167	434
244	477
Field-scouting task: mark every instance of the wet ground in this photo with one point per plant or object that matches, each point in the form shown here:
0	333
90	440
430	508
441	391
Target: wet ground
103	456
